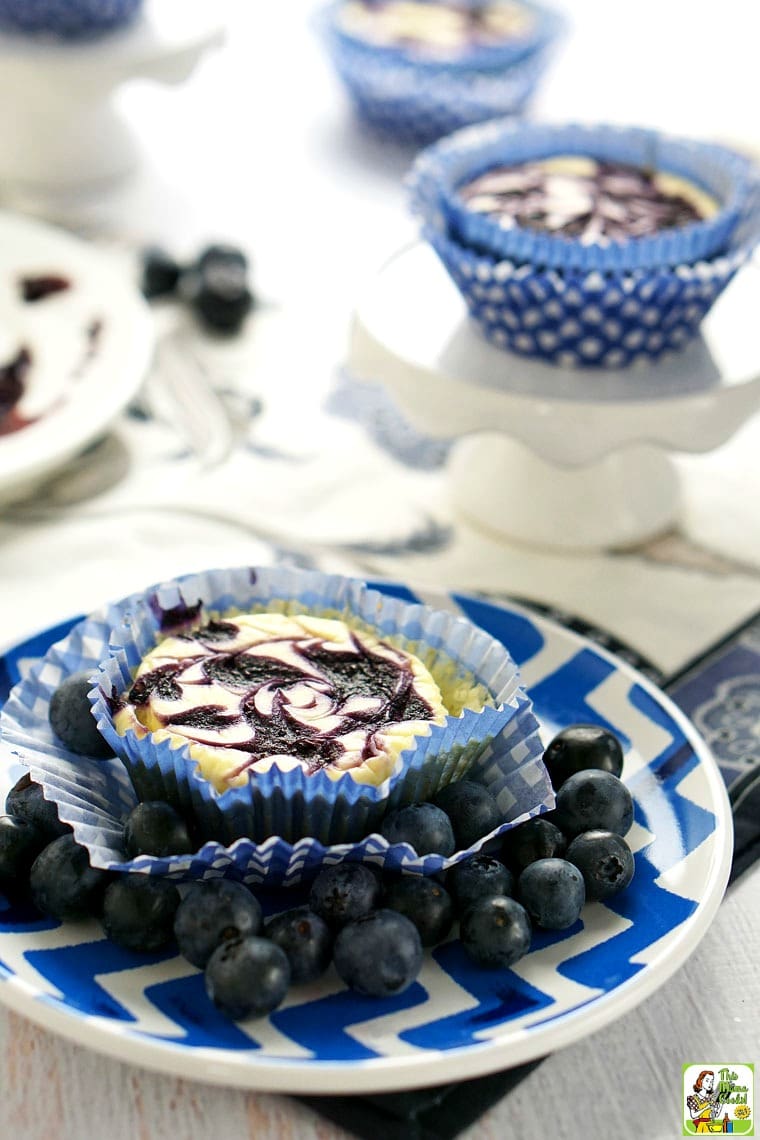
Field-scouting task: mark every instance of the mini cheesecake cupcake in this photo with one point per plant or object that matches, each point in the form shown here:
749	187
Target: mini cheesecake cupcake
282	712
299	705
67	19
587	245
419	69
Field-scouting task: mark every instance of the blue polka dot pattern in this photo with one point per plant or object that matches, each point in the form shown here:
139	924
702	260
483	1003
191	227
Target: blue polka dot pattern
66	19
585	320
420	116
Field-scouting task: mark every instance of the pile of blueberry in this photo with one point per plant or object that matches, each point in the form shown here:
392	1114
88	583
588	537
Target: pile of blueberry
215	285
373	927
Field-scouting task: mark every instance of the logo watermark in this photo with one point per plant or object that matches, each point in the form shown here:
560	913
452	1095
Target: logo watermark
718	1097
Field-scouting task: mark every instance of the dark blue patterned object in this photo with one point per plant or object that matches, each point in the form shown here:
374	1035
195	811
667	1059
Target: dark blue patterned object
67	19
721	693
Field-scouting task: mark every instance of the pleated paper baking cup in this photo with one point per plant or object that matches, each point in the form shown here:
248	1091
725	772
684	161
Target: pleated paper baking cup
726	176
582	319
500	746
67	19
542	26
419	107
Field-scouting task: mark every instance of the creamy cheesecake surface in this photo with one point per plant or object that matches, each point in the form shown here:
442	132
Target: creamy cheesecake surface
256	690
436	29
585	198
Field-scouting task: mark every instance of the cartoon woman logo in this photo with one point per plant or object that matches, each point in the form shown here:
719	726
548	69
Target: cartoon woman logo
705	1104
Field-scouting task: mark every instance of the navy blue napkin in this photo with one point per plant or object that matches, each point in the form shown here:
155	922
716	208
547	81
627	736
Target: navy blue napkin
720	691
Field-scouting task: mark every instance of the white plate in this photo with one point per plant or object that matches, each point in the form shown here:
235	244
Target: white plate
456	1020
78	381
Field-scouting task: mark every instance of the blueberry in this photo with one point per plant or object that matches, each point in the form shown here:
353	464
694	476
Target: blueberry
247	977
138	912
496	931
425	903
20	844
423	826
306	939
63	884
552	892
211	913
160	273
221	254
537	838
26	800
220	294
593	799
478	878
579	747
155	828
72	721
344	892
472	809
604	859
379	955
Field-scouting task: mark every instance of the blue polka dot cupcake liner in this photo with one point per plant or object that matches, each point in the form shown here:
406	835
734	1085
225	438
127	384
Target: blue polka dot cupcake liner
729	178
542	28
413	102
301	822
419	110
585	320
67	19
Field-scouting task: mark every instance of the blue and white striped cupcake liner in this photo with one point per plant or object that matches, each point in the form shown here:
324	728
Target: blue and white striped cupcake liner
587	320
499	745
727	176
67	19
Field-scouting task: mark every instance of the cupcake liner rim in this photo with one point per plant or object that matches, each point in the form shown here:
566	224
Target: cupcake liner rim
731	178
585	319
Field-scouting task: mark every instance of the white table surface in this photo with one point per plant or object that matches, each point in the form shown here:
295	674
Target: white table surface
258	147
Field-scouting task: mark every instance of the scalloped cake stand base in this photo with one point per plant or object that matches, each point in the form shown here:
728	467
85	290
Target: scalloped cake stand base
545	455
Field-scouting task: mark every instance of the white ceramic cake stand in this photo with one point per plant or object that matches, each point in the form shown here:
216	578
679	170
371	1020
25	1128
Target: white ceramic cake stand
550	456
60	129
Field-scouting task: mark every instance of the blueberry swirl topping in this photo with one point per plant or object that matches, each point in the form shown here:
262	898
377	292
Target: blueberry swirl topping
299	691
579	197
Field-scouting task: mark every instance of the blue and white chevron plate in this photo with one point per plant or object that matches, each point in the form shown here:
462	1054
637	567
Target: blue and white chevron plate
456	1020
